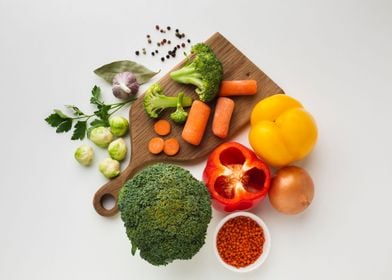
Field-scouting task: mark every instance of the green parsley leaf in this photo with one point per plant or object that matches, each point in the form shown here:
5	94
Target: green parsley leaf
79	130
65	126
103	112
96	96
54	120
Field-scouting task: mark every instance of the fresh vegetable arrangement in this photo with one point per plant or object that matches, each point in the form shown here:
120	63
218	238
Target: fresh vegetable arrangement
165	210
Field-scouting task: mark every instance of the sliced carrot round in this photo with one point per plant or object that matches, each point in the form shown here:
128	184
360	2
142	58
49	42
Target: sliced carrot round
171	147
162	127
155	145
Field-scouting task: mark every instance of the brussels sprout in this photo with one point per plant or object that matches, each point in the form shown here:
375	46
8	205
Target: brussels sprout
84	154
118	125
110	168
101	136
118	149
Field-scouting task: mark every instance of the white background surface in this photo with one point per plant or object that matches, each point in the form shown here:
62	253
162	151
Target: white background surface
334	56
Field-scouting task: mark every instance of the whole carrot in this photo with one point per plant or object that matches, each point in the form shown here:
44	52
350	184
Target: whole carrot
238	87
223	111
196	123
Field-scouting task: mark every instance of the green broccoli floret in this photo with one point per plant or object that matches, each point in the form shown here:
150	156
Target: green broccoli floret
155	101
180	115
205	71
166	212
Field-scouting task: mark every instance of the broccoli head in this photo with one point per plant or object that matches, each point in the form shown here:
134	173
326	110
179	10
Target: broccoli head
155	101
205	71
166	212
180	115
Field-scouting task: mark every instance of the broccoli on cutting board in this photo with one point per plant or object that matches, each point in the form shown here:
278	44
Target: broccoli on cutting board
155	101
166	212
180	115
204	71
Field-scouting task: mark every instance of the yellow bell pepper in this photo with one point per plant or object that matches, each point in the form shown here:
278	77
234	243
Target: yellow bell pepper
281	130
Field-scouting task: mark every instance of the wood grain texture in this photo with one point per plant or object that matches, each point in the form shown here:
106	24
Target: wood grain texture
236	67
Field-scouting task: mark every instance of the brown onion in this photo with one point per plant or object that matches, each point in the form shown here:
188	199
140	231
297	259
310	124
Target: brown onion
291	190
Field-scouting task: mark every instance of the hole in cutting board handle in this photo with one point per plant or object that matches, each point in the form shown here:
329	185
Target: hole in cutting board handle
108	202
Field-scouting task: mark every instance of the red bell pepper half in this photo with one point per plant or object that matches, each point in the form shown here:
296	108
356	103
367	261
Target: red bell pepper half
236	178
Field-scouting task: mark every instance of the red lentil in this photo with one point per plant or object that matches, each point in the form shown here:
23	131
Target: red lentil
240	241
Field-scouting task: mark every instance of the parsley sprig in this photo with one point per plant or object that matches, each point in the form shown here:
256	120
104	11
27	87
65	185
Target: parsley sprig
80	121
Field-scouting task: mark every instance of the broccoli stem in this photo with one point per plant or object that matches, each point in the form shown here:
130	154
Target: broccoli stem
171	101
187	75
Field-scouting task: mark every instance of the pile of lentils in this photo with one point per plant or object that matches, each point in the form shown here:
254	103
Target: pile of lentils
178	42
240	241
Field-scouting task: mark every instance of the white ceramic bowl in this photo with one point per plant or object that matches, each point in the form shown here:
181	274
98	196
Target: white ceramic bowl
266	245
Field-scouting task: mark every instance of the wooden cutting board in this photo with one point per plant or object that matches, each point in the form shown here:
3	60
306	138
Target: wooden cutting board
236	67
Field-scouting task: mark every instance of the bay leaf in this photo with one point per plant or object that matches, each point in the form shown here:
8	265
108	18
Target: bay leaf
108	71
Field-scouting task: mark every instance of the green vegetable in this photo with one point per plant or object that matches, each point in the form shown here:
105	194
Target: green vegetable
110	168
118	125
155	101
180	115
101	136
108	71
63	122
84	154
205	71
166	212
117	149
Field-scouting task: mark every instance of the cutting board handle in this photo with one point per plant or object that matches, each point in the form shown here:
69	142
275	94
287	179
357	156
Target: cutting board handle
111	190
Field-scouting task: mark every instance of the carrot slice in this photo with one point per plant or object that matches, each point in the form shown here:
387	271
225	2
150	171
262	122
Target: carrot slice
196	122
238	87
223	111
155	145
171	147
162	127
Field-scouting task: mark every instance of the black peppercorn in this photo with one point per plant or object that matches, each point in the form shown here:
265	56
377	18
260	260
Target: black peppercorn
162	59
137	52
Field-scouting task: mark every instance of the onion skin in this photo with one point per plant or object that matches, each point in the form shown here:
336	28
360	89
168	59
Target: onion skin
292	190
